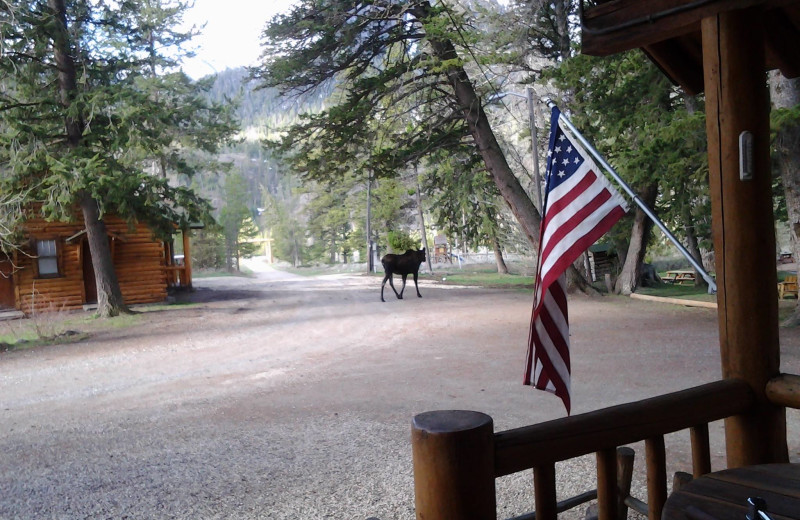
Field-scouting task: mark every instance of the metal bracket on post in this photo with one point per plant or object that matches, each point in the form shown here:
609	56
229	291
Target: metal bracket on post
746	156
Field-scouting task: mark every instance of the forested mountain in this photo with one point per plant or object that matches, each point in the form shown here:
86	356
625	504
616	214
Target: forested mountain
262	111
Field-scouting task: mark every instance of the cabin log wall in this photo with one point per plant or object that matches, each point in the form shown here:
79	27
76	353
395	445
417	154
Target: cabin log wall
138	259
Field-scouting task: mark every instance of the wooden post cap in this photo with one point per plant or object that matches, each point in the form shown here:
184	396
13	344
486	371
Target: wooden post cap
453	452
450	421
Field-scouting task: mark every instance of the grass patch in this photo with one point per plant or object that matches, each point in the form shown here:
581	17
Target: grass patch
322	270
486	278
306	271
205	273
53	328
685	292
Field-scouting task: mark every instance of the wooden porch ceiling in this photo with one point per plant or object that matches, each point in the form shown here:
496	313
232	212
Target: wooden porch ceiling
668	31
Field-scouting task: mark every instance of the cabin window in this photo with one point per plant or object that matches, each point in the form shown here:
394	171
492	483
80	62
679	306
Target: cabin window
47	253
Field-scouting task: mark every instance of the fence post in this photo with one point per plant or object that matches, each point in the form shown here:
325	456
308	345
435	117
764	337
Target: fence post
453	454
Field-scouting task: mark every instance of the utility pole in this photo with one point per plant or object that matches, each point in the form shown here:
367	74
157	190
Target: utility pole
537	178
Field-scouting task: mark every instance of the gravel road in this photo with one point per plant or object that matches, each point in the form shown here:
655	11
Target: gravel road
284	397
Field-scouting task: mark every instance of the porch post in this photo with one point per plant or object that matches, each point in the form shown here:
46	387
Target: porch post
453	453
187	259
743	227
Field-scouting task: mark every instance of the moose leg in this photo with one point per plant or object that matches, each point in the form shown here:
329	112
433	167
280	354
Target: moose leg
389	277
404	286
415	284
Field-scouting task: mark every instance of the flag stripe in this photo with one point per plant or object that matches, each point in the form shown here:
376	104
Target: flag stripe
580	240
580	206
575	220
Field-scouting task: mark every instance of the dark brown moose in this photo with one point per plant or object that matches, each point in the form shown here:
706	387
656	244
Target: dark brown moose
405	264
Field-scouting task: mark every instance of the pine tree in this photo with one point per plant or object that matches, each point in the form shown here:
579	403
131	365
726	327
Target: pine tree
84	110
390	57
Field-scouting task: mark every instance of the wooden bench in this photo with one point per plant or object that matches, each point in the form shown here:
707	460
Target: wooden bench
788	287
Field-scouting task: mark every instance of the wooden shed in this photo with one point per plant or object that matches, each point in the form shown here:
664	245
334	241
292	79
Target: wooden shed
53	270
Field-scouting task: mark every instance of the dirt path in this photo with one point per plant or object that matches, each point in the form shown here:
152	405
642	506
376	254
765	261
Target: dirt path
290	398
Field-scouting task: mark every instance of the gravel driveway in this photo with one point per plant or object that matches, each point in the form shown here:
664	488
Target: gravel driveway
284	397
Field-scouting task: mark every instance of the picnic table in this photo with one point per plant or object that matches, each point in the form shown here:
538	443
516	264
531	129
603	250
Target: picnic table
724	494
680	276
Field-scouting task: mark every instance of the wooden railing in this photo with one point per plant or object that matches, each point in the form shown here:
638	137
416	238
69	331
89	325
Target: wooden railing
457	456
176	275
784	390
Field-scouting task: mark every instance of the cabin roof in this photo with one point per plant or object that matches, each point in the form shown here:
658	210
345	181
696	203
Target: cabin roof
668	31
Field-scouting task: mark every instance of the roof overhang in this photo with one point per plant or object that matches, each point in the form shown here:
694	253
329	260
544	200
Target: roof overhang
668	31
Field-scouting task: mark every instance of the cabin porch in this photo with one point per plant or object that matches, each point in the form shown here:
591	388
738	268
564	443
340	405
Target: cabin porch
724	48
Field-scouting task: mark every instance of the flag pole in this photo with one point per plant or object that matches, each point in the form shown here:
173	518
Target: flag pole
712	285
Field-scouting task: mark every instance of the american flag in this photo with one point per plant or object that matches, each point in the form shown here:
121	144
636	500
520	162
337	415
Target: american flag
580	206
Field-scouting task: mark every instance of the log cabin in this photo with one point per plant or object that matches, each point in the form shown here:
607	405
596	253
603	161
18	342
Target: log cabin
53	271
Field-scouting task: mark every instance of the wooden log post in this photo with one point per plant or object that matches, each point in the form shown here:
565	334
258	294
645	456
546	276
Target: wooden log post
544	491
680	479
186	279
607	492
656	460
701	450
743	227
625	458
453	455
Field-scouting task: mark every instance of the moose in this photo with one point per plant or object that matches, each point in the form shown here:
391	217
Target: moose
405	264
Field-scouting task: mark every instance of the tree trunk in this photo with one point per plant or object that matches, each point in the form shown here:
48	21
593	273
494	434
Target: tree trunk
563	9
689	230
628	279
507	183
109	295
370	260
692	244
422	223
785	93
502	268
228	253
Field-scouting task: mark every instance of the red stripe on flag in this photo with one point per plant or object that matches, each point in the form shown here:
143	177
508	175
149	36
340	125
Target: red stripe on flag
574	221
584	184
582	244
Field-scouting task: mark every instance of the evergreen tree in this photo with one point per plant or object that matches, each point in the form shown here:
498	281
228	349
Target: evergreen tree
81	110
640	123
237	222
390	56
464	202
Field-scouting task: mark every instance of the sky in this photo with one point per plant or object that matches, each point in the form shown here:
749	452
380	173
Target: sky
232	33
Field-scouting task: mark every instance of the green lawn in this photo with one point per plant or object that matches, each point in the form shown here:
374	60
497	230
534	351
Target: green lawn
485	279
686	292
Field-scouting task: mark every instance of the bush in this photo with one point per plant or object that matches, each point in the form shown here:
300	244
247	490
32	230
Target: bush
400	241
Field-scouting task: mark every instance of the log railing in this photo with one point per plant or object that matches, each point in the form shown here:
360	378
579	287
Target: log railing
784	390
176	275
457	456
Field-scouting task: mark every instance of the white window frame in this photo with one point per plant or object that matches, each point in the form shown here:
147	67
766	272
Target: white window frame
47	258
